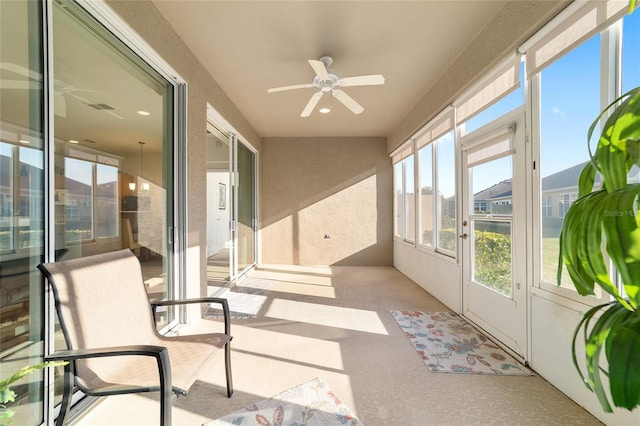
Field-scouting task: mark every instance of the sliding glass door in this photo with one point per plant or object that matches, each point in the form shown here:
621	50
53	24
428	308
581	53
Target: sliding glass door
87	166
231	207
246	209
219	209
113	143
22	192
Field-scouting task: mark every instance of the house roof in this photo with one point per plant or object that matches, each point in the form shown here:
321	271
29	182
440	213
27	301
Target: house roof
500	189
566	178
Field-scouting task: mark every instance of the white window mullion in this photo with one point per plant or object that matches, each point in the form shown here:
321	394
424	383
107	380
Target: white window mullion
435	239
611	64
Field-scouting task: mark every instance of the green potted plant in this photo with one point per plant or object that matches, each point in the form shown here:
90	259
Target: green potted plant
611	209
7	395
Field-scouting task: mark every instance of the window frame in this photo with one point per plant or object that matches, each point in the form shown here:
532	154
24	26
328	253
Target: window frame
419	215
400	158
442	126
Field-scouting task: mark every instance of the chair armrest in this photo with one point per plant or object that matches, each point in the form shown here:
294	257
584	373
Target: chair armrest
160	353
222	301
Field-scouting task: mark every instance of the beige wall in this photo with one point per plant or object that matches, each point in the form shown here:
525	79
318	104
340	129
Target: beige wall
340	187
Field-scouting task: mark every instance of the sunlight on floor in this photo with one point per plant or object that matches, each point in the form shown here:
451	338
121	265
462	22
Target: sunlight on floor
305	289
329	316
318	276
288	347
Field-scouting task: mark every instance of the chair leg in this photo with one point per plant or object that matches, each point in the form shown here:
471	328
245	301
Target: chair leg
165	408
67	393
166	389
227	368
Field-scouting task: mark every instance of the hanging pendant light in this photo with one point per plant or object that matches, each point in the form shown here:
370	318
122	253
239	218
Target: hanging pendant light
145	185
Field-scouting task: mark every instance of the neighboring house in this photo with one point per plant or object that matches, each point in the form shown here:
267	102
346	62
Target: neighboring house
493	199
559	191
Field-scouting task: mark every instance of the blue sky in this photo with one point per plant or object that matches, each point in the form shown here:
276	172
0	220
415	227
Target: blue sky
571	96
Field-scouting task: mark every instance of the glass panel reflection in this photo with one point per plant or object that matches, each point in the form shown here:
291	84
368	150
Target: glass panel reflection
113	149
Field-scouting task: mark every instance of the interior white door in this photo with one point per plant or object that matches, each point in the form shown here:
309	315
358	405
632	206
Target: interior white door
494	287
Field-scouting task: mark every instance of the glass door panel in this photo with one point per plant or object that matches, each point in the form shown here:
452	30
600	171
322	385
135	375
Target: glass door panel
491	224
219	208
246	208
492	265
22	242
113	147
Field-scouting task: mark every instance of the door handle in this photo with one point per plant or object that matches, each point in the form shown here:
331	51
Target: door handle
463	236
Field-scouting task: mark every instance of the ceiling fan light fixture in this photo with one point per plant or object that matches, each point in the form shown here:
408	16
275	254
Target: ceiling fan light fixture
328	81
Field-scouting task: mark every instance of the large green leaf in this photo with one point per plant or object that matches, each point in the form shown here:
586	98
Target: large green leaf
581	243
616	151
595	338
612	210
621	224
586	179
623	349
25	371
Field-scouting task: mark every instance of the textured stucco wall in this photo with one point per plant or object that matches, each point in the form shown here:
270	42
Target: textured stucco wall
147	21
338	187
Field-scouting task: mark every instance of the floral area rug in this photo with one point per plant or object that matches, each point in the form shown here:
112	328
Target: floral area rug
310	404
245	299
448	344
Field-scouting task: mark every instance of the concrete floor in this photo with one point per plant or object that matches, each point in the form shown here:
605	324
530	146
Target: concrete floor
334	323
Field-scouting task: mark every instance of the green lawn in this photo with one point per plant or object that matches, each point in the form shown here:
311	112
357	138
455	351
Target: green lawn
550	250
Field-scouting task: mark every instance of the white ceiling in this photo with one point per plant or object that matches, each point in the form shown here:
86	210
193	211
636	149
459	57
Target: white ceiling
251	46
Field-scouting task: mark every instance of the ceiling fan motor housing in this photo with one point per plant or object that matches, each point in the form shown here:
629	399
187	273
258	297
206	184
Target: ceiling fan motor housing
328	82
331	80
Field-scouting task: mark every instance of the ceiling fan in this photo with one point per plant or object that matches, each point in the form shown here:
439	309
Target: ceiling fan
32	80
328	80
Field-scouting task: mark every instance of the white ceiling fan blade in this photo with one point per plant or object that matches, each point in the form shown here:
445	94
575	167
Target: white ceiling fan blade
319	68
297	86
60	106
19	84
363	80
348	101
114	114
311	104
19	69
